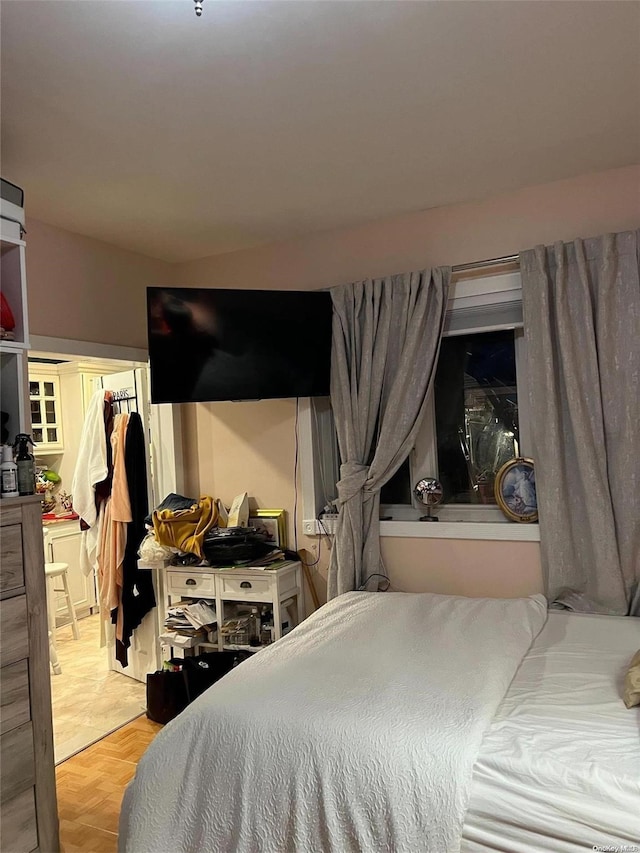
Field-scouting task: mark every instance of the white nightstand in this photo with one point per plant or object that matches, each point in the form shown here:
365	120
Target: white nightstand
253	586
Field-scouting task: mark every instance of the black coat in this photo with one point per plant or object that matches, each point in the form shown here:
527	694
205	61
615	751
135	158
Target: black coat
138	597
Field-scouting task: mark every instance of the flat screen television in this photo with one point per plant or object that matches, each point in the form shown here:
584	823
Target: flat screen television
211	345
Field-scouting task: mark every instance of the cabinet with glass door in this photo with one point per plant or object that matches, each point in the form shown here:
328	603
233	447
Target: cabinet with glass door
46	412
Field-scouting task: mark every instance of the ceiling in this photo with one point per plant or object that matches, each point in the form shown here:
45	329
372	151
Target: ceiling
137	123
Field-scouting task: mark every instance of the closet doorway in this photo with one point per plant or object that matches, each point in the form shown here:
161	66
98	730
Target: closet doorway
92	694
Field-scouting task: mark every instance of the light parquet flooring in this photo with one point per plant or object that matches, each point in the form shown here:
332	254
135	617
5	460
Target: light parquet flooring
91	785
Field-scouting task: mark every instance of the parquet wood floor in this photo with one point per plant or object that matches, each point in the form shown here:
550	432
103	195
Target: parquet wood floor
91	785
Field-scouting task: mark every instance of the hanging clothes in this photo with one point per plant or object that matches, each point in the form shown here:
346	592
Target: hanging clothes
91	463
91	482
103	488
138	597
113	530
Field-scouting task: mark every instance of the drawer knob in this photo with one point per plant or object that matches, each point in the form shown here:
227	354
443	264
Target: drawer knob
245	585
190	582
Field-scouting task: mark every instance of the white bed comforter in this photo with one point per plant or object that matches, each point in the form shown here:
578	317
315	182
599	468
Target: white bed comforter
356	732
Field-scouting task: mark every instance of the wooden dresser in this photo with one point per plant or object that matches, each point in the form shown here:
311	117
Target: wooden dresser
28	811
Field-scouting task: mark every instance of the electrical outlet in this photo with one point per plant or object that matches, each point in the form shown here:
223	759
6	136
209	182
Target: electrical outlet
322	527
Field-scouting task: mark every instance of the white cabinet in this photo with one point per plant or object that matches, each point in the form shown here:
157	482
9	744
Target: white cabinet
280	588
46	411
63	546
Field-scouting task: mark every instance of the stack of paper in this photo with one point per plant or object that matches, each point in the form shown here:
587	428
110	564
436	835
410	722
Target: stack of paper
190	618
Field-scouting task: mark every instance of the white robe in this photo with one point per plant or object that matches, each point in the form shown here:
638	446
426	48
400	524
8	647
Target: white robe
91	469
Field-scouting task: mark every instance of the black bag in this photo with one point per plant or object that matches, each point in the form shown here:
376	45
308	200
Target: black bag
227	545
204	670
167	695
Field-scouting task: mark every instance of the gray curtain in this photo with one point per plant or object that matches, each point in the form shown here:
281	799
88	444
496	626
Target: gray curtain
386	338
581	304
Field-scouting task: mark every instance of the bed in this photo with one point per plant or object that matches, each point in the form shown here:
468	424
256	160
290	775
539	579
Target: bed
559	767
405	723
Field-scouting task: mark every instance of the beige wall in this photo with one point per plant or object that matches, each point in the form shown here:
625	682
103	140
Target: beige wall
85	290
463	566
580	207
236	446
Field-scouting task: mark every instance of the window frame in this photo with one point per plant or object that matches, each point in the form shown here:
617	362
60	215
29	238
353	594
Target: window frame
476	304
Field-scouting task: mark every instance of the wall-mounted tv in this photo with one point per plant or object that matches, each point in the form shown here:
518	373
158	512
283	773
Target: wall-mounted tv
213	344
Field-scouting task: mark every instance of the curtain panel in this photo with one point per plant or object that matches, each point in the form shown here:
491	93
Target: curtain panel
386	339
581	304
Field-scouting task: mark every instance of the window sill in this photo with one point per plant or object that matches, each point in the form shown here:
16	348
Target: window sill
500	531
497	531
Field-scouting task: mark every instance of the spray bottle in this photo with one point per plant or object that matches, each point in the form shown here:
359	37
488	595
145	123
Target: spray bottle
9	473
26	464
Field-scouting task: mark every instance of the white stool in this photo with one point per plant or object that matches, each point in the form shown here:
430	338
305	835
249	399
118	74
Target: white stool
53	571
53	656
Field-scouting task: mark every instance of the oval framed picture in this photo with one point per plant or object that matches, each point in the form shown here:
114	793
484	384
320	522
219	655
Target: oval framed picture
515	490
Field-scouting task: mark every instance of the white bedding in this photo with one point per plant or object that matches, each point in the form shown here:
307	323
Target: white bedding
559	768
356	732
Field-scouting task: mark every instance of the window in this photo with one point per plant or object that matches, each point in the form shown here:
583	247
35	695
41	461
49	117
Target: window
476	419
477	416
476	406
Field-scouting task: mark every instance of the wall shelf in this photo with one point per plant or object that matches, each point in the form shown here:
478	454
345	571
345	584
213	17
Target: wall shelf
14	391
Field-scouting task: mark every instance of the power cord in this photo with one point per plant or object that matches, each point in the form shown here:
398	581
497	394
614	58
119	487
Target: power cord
363	588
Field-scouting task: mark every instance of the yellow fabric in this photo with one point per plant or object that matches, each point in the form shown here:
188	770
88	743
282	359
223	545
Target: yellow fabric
185	529
632	682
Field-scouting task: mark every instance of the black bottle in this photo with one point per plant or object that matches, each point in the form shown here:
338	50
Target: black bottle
26	465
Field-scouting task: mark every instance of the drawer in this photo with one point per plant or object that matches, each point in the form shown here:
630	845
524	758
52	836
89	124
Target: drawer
11	566
193	584
14	634
245	589
14	696
10	514
17	767
19	832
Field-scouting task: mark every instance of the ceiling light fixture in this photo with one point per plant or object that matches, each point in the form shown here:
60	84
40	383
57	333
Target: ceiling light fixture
198	7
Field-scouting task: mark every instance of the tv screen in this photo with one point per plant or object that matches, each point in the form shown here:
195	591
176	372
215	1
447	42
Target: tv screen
208	344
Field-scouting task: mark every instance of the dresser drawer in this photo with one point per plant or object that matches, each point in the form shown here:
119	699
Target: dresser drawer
14	634
11	566
14	696
193	584
245	589
17	765
19	832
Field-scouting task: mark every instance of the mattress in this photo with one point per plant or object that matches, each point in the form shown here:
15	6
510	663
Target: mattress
559	767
